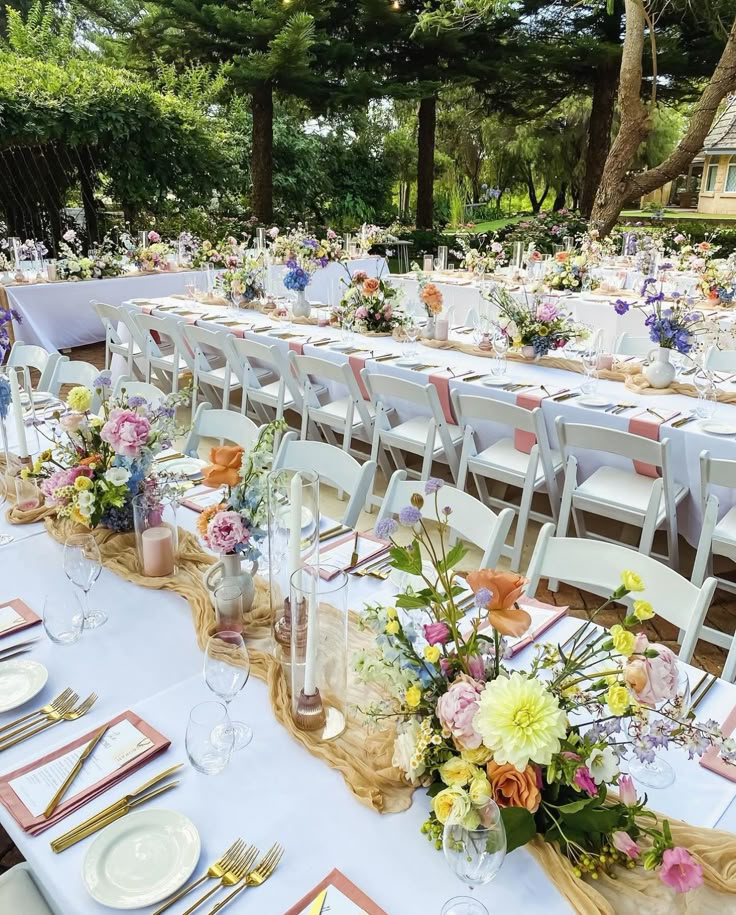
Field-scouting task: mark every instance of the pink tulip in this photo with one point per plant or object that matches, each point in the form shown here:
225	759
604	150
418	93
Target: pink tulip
627	791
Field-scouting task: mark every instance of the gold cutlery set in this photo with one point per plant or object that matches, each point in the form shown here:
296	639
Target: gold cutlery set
12	651
237	868
63	708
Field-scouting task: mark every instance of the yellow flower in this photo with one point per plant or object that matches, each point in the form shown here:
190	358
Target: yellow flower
643	610
79	399
391	613
95	421
25	473
82	483
517	342
543	330
457	771
45	455
618	700
453	801
392	627
432	654
623	640
631	581
413	696
37	466
479	756
520	720
480	790
78	517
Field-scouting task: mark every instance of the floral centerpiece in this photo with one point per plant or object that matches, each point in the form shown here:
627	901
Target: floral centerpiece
226	254
570	271
7	316
672	322
430	295
97	463
32	250
718	282
688	257
539	740
534	324
371	302
307	250
101	262
485	259
244	282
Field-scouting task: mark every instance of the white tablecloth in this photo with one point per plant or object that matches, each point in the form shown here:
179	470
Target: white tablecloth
328	283
60	315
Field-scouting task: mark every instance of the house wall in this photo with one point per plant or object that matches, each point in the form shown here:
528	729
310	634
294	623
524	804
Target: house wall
717	201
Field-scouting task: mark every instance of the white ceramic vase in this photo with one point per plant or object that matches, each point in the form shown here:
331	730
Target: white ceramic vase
302	308
660	373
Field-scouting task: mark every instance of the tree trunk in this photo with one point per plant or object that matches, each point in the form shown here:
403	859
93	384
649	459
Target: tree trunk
425	162
91	216
599	130
261	163
560	197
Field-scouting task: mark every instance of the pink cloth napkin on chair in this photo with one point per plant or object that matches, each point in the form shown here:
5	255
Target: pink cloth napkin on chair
648	425
296	347
357	363
530	400
442	383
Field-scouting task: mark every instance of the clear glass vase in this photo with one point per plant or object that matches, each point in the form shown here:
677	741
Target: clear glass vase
156	534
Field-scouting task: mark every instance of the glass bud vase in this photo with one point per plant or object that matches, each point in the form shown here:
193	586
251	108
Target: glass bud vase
156	534
319	650
293	542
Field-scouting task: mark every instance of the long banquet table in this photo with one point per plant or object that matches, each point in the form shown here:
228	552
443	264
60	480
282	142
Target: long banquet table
687	442
146	659
327	284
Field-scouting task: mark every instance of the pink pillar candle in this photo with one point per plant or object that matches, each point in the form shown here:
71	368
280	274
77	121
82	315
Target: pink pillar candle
157	546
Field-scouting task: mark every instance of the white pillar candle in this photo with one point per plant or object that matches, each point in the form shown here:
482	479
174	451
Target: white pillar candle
310	669
157	545
20	426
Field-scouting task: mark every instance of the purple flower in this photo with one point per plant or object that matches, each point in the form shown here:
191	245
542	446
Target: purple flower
447	510
483	597
135	401
621	307
432	486
410	516
103	380
583	780
384	529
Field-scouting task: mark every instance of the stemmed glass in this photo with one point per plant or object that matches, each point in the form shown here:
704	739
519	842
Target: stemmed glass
500	343
4	538
226	671
475	850
82	566
659	773
412	332
346	326
590	359
707	393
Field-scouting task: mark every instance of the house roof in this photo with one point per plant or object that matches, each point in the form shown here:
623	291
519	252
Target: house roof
722	135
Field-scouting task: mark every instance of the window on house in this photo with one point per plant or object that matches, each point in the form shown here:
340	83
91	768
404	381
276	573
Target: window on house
712	175
730	185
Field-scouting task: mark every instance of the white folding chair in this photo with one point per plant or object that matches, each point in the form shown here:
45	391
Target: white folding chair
629	345
120	338
348	416
224	425
623	495
333	464
27	356
535	471
75	373
717	536
720	360
267	394
164	351
211	371
469	518
596	567
428	435
21	894
129	387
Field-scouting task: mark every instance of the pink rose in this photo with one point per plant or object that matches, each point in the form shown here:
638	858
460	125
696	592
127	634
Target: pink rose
126	432
627	791
72	422
361	313
456	710
436	633
153	237
652	680
225	531
61	478
679	871
623	842
583	780
359	277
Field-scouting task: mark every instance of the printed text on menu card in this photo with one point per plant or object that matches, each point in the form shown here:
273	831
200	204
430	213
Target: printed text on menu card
337	903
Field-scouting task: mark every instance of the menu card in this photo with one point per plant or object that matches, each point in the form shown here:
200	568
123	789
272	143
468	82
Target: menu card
543	617
128	744
713	760
16	615
342	898
340	553
202	497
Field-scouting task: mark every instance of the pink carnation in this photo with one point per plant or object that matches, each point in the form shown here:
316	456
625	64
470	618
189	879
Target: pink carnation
226	531
126	432
456	710
359	276
361	313
680	871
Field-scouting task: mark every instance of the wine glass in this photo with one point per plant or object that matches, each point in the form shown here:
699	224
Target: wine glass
412	332
704	384
590	360
4	538
346	325
659	773
500	342
226	671
190	289
475	848
82	566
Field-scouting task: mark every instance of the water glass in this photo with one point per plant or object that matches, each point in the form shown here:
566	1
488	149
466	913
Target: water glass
226	671
347	325
63	617
590	366
82	566
208	747
500	342
475	851
4	478
27	494
412	332
707	402
229	607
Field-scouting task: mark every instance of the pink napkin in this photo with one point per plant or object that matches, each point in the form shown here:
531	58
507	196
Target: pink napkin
357	363
442	383
647	424
382	546
530	400
713	760
36	825
346	887
22	609
529	603
296	347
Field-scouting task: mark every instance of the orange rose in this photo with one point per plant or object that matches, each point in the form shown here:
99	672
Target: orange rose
88	461
505	589
370	286
562	256
432	298
225	466
512	788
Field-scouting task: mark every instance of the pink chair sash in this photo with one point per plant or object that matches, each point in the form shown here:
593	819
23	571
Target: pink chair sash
530	400
648	425
442	383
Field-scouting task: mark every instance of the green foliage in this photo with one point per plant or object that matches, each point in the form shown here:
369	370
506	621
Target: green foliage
41	34
519	825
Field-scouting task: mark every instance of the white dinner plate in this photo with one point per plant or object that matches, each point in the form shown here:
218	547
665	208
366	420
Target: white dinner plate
39	397
590	400
185	467
307	516
406	363
494	382
141	859
20	680
715	428
341	347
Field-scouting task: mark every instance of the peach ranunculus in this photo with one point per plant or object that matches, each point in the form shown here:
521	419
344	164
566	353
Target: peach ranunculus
432	298
512	788
562	256
370	286
498	593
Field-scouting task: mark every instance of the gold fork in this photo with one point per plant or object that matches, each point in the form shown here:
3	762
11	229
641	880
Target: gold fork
52	706
237	872
263	870
70	715
53	715
214	871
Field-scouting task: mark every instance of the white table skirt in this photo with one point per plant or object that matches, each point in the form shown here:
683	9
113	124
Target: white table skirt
328	283
60	315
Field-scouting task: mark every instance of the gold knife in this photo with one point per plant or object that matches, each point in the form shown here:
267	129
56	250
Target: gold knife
703	694
62	843
75	770
354	554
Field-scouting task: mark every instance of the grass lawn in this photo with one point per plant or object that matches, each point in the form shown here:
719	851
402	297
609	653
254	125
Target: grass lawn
677	215
491	225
